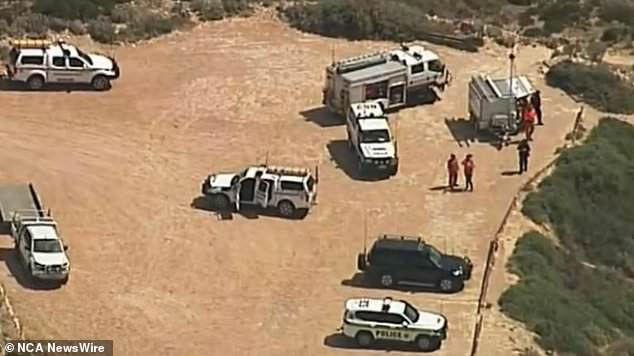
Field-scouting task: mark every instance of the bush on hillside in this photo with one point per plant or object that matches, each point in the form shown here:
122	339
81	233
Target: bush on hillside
589	199
148	24
375	20
618	10
75	9
102	30
596	85
572	308
213	10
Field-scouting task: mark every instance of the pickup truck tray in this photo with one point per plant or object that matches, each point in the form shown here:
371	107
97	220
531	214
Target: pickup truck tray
15	198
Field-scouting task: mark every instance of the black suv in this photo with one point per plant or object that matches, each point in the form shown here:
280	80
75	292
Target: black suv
409	261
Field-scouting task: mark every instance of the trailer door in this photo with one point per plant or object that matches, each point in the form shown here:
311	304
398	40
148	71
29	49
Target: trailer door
396	94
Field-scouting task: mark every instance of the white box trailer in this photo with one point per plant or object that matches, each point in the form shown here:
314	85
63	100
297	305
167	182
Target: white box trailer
387	77
493	105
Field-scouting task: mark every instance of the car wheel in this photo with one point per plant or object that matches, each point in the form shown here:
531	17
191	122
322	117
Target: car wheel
100	83
387	280
286	208
65	280
35	82
219	201
447	285
426	343
364	338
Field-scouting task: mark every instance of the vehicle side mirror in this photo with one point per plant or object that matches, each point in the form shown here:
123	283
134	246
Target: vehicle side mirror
405	324
65	247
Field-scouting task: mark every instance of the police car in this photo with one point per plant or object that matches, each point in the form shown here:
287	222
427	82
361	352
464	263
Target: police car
369	320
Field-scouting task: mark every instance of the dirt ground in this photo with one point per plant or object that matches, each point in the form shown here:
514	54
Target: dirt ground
120	171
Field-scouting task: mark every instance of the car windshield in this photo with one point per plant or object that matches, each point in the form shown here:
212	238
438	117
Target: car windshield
434	255
375	136
436	66
47	246
411	313
84	56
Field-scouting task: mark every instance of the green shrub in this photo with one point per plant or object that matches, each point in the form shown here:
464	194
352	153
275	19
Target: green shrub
572	306
102	30
148	24
75	9
208	10
617	10
371	19
614	34
596	85
555	298
34	25
589	199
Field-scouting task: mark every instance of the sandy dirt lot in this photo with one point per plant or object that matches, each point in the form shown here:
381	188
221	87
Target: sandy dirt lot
120	170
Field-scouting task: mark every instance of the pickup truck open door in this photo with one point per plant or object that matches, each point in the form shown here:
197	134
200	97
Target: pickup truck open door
262	193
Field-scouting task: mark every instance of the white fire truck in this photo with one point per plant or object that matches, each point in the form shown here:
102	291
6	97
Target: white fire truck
388	77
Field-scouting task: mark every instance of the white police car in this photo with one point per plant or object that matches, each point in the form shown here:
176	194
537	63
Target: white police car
369	320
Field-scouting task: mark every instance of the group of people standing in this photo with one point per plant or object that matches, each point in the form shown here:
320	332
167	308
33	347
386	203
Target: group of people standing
530	110
468	167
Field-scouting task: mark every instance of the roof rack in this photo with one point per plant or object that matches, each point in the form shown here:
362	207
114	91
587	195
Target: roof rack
288	171
360	62
402	237
34	44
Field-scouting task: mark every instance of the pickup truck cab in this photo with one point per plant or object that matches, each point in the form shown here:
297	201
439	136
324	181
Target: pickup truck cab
40	247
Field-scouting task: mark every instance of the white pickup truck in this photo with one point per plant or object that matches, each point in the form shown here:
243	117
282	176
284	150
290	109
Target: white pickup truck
38	244
40	62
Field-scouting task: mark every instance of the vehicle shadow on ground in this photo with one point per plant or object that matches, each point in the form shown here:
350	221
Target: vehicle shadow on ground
252	213
11	259
358	280
322	117
6	85
340	341
345	160
465	134
510	173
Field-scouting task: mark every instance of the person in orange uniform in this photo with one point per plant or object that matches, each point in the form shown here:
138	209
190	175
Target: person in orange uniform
528	119
468	166
452	169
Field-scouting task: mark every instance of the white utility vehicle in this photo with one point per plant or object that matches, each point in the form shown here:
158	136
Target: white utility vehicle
388	76
493	104
37	240
370	137
39	62
368	320
292	191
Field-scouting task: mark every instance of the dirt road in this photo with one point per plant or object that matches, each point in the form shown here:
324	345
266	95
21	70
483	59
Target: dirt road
120	171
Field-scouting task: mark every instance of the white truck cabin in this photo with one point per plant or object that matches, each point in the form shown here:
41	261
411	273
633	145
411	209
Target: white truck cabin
43	251
424	67
374	131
